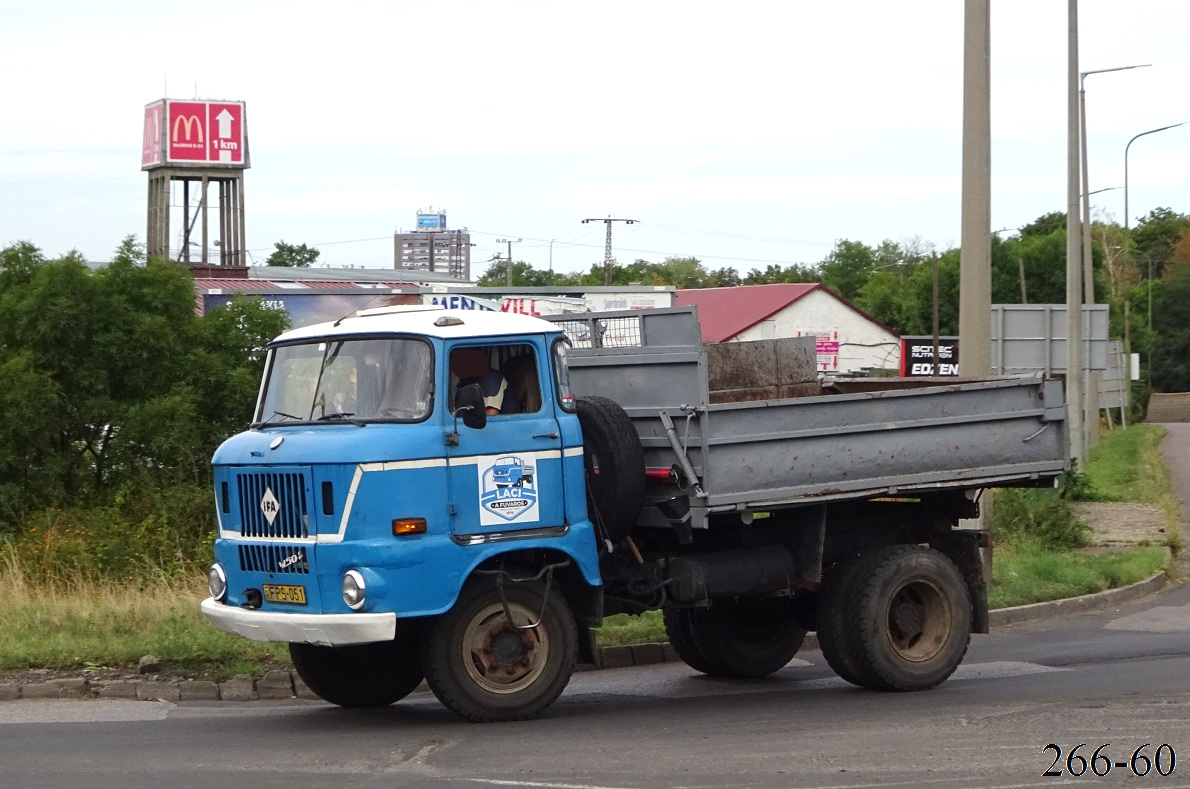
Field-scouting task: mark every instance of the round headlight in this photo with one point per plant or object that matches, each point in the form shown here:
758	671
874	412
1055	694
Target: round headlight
354	590
217	582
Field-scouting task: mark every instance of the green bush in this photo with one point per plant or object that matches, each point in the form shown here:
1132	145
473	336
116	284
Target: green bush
1043	517
161	532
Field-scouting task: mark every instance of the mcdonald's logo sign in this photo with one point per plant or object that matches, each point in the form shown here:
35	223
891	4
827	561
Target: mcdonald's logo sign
191	124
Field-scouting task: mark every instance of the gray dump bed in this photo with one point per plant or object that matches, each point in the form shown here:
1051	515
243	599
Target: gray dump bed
792	439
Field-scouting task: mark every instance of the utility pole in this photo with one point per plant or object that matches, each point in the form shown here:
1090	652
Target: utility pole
975	257
510	242
1074	264
607	245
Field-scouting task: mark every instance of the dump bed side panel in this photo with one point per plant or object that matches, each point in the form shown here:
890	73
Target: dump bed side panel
839	446
793	450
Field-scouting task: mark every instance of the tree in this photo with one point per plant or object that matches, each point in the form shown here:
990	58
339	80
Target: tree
1156	235
1171	332
1045	224
112	384
847	268
1042	258
523	275
794	272
293	255
920	306
886	296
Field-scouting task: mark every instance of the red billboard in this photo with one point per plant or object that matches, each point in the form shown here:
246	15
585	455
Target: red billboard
198	132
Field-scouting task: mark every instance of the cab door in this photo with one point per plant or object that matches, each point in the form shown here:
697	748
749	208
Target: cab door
507	476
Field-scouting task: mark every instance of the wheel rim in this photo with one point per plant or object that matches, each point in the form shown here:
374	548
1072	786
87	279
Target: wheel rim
919	620
499	658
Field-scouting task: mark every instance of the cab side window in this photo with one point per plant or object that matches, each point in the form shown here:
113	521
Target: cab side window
506	375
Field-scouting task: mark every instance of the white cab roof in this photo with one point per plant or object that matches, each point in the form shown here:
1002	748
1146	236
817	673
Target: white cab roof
422	320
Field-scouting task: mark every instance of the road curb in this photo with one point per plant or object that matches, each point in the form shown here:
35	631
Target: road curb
282	684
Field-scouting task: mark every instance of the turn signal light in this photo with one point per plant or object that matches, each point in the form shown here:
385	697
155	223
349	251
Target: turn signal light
406	526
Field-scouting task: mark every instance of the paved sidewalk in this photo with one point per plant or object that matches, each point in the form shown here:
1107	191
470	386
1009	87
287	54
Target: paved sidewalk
1175	451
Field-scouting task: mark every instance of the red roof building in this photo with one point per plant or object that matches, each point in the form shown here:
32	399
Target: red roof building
848	339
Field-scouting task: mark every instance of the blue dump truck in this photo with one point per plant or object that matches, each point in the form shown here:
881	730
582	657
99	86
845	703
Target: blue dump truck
378	519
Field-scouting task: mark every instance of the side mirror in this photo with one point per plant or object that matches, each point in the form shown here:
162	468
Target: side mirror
470	406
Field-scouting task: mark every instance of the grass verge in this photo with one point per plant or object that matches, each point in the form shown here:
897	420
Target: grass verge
1127	466
1025	572
88	625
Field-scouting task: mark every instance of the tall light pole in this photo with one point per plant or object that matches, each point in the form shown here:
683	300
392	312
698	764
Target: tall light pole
1088	281
510	242
1126	147
1127	228
1092	393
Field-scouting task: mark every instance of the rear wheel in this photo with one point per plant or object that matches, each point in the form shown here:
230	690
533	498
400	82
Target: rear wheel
746	638
481	666
838	585
361	675
906	617
681	638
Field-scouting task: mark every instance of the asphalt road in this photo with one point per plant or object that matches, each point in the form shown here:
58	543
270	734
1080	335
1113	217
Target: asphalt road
1119	678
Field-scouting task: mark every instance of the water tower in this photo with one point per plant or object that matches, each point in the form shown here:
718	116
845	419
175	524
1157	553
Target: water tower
197	143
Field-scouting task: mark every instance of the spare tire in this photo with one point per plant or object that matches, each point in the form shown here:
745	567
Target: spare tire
615	466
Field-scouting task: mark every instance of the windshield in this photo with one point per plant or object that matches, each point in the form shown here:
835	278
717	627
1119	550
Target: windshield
352	380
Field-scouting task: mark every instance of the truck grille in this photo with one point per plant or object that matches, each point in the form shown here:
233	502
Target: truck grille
282	495
274	558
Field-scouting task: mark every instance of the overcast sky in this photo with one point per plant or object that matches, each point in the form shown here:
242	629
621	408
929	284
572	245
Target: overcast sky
743	133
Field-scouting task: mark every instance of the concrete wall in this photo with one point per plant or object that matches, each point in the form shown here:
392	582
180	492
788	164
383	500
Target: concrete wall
847	340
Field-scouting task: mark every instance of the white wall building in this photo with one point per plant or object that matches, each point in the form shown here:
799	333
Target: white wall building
848	340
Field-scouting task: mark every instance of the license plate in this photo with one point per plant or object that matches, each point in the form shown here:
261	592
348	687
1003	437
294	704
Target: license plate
278	593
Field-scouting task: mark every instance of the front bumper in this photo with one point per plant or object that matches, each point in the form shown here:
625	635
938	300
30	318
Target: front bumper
325	629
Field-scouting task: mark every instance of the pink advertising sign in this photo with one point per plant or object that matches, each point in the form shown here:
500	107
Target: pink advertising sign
195	132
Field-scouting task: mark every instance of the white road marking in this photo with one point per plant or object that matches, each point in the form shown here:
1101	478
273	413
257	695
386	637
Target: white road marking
23	713
1162	619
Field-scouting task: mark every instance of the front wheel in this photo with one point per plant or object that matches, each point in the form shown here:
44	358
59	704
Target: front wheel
747	638
481	666
363	675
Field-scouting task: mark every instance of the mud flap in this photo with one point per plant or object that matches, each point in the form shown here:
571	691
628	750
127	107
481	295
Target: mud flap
962	548
588	651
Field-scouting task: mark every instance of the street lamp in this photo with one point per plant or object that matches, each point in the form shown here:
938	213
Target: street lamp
1088	280
1126	147
1127	233
1091	395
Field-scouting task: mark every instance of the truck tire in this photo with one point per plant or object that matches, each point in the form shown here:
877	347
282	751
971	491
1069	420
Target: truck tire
908	619
747	638
615	465
484	670
362	675
838	585
681	638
